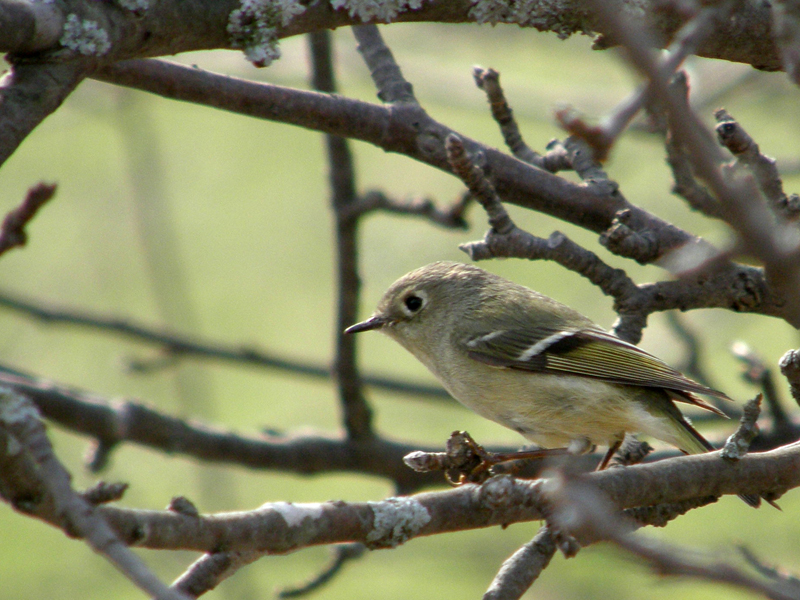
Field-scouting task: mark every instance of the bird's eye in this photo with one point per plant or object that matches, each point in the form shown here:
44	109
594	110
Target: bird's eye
413	303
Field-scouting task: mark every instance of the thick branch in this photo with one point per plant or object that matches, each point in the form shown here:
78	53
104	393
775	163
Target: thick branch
280	528
408	130
29	26
28	94
306	454
26	443
172	26
743	208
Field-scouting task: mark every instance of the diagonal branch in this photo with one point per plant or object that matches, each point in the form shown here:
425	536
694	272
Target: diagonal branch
28	94
21	428
181	345
744	208
521	569
385	72
406	129
125	421
403	128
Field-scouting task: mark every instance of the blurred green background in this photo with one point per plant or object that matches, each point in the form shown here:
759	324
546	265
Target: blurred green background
218	225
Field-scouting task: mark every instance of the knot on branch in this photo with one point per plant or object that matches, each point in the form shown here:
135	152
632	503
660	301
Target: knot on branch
738	444
748	291
622	240
659	515
790	367
583	159
103	492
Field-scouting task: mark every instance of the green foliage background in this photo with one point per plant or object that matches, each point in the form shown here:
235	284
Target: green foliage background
246	202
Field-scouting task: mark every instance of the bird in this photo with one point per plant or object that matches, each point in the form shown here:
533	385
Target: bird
535	365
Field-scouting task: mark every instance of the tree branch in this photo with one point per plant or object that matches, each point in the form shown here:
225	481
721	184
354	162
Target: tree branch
111	424
29	93
172	26
582	511
21	428
744	209
521	569
179	345
341	176
281	527
12	231
407	129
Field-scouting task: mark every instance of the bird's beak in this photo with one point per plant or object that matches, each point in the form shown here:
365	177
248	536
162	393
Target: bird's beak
374	322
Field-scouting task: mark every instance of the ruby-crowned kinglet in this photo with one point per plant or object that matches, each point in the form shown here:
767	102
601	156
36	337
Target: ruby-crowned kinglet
534	365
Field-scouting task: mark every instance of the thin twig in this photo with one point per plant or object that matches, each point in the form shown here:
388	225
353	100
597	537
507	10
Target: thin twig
758	373
385	72
479	186
738	444
748	154
489	81
342	554
12	230
452	217
686	185
208	571
180	345
522	568
357	414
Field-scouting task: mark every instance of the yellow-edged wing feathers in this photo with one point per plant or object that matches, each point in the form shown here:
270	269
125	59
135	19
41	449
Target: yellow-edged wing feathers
589	352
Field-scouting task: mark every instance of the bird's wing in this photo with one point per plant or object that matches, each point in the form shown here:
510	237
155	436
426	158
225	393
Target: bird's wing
587	351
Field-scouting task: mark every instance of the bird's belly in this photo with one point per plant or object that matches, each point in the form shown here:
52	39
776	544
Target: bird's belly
553	410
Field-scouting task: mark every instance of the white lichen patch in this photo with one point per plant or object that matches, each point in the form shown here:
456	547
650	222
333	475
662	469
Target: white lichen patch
253	27
380	10
14	408
492	11
395	520
85	37
545	15
289	10
294	514
136	6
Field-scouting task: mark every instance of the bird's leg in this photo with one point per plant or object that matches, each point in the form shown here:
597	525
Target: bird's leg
612	449
491	459
465	451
